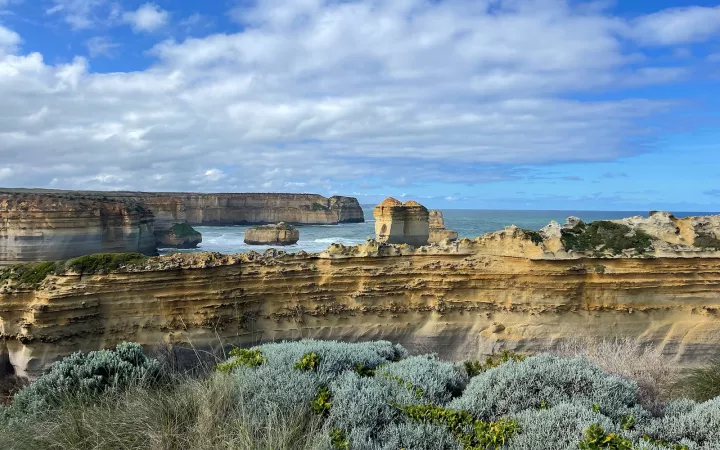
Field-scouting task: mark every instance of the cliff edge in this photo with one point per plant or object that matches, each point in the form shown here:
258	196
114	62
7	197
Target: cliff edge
48	227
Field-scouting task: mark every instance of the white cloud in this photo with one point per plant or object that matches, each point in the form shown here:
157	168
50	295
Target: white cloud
9	40
147	18
318	95
5	172
677	25
101	46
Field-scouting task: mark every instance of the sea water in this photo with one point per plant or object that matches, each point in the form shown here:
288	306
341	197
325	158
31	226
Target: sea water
468	223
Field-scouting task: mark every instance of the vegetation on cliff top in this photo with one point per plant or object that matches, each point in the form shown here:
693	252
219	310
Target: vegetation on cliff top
33	274
182	230
281	226
333	395
605	236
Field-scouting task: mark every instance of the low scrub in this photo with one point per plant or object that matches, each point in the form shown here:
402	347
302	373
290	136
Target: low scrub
325	395
597	238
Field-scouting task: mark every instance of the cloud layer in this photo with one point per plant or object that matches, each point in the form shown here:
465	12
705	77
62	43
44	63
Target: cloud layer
313	95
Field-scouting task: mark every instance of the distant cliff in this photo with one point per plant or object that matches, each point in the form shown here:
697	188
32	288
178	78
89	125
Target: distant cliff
46	227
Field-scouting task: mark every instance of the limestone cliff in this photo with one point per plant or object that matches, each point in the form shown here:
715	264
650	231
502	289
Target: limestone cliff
401	223
42	227
462	299
248	209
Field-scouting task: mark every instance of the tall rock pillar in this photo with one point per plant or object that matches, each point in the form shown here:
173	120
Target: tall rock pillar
417	227
390	221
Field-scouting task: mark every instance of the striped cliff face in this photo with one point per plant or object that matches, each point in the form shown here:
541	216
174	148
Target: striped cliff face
48	227
462	300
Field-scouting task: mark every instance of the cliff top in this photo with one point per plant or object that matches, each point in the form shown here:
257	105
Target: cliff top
116	194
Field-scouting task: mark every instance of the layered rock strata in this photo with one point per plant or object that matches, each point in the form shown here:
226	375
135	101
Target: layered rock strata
51	227
463	299
280	234
401	223
438	232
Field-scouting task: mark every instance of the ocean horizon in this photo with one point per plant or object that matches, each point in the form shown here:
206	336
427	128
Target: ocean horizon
469	223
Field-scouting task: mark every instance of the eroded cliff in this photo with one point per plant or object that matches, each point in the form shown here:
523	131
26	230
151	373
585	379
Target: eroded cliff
47	227
461	299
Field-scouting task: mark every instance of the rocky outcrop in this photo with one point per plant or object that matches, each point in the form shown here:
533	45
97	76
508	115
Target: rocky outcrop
179	235
438	232
398	223
49	227
463	299
280	234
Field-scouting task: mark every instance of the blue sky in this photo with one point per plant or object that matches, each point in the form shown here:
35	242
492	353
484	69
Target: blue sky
518	104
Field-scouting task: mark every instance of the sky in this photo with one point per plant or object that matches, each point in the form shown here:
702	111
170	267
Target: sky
491	104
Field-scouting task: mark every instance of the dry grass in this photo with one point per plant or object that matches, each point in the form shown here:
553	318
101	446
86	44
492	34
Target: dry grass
699	383
195	414
645	364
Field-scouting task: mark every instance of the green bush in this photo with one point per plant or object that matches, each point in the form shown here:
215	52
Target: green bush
319	207
475	367
103	262
89	374
600	236
597	439
309	362
322	403
534	236
31	274
243	357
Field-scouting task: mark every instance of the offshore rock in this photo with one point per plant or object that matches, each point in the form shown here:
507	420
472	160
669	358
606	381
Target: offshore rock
50	227
398	223
280	234
179	235
438	232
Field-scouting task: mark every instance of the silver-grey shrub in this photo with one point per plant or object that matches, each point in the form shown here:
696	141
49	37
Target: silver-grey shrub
439	381
335	357
697	425
561	427
88	374
546	380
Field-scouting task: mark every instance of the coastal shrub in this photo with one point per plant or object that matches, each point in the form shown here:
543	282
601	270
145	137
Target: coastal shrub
103	262
319	207
596	438
335	357
707	242
699	427
29	273
309	361
438	381
545	380
475	367
539	429
88	374
630	359
603	235
700	383
472	433
242	357
534	236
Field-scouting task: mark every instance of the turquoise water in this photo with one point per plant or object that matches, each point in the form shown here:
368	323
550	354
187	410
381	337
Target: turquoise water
467	222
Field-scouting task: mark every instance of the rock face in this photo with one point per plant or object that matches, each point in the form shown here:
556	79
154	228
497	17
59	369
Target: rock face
398	223
251	209
280	234
463	299
179	235
438	232
51	227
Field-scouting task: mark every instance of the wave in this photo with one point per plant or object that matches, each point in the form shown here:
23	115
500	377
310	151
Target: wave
333	240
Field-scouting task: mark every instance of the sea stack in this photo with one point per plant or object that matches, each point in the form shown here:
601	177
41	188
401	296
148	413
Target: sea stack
280	234
438	232
398	223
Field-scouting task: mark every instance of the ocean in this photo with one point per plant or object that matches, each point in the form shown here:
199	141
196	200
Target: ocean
468	223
